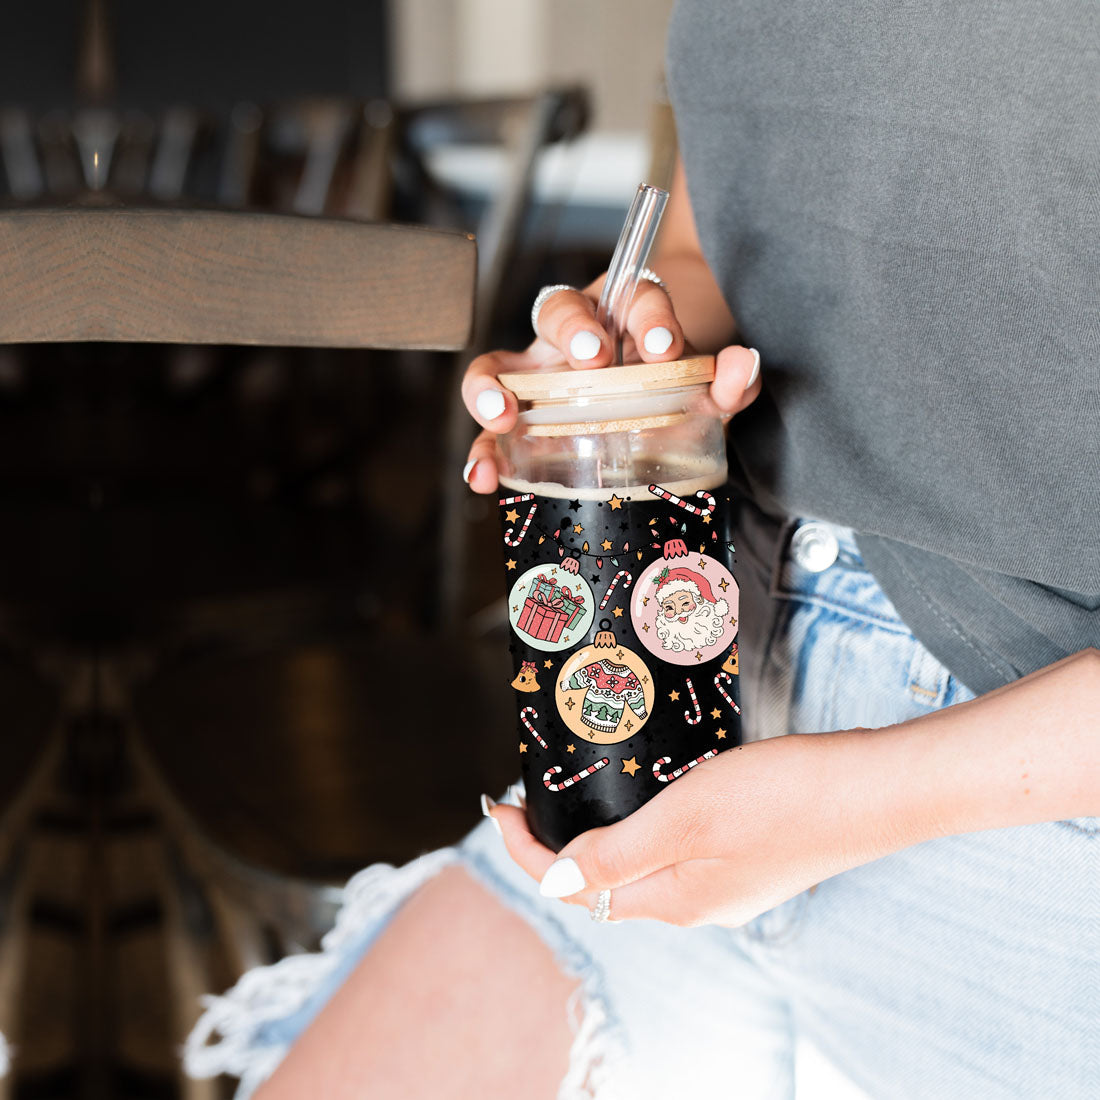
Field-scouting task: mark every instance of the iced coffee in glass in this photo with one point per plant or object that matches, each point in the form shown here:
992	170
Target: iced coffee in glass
622	604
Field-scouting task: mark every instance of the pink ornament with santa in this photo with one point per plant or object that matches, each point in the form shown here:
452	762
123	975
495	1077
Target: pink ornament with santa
681	612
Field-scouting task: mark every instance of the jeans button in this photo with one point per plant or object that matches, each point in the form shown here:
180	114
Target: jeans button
814	547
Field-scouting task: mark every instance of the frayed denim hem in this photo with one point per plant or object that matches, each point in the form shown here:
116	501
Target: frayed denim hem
242	1032
247	1031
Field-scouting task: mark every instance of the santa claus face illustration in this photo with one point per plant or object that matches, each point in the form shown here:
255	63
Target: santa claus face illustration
686	613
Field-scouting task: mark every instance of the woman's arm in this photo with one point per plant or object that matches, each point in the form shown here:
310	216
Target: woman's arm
678	258
1025	753
759	824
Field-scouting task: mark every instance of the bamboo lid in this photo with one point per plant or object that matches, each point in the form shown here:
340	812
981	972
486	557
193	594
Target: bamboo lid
607	381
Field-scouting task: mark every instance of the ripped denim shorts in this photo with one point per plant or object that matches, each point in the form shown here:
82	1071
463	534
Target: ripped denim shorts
962	967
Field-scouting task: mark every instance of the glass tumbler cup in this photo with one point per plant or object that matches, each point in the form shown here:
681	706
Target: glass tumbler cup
622	605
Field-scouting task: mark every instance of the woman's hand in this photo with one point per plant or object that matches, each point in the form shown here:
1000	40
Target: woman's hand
725	842
758	824
569	337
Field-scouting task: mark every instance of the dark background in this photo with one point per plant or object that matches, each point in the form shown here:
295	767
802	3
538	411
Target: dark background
249	632
205	53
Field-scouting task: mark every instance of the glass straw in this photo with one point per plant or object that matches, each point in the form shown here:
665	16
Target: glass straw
632	251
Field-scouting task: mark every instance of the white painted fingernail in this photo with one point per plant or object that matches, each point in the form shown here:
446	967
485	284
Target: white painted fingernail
468	469
584	345
562	878
486	805
490	404
755	368
658	340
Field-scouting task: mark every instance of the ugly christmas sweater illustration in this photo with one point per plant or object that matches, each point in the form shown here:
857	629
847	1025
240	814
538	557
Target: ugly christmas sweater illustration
610	688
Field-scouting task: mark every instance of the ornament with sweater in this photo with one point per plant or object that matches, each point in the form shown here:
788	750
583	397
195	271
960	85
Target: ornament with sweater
605	693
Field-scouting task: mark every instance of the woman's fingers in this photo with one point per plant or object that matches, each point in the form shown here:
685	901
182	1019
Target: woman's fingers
567	320
736	382
682	894
653	327
663	832
480	472
486	400
522	846
658	896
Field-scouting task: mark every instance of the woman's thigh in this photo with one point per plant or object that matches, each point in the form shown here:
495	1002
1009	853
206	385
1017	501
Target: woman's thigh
458	997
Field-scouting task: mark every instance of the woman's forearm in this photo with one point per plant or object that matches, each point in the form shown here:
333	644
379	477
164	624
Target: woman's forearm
1026	753
678	258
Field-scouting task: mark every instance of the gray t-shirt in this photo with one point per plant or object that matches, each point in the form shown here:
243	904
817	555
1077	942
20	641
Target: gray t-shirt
899	201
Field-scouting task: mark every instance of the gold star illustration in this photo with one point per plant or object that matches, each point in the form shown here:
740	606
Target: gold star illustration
645	601
645	627
628	725
698	655
630	766
569	704
570	748
723	584
720	734
716	713
706	519
615	502
673	696
547	663
512	516
619	654
565	637
606	544
702	564
523	746
577	528
733	621
618	612
515	607
511	563
645	679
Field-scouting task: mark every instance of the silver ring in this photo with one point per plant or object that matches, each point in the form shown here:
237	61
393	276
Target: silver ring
601	911
540	301
653	277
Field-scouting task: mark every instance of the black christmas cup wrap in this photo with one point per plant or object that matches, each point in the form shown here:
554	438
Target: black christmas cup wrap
622	608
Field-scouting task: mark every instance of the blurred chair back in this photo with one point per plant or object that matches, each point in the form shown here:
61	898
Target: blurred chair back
190	276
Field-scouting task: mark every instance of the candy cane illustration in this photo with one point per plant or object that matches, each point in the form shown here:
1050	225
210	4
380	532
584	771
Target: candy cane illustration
694	509
695	703
614	581
527	724
679	771
562	784
722	691
526	523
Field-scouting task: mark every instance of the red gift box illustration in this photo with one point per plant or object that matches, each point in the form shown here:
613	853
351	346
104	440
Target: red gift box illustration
549	610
